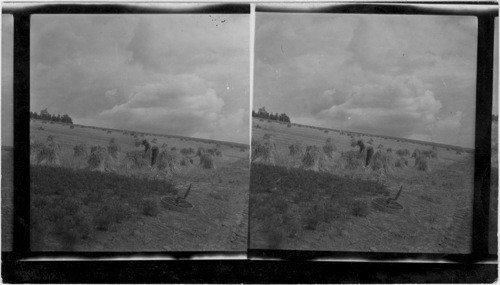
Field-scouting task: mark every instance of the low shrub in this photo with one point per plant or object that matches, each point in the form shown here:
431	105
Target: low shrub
359	208
150	208
214	151
274	239
312	218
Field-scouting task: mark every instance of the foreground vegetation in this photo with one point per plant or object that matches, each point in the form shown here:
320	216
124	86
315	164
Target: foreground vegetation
285	201
70	205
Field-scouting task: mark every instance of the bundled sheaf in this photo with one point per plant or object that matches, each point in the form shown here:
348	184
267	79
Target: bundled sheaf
310	160
113	148
383	161
430	154
169	161
416	153
352	160
295	149
207	161
187	151
329	147
80	150
401	162
136	159
201	151
100	160
264	151
186	161
421	163
403	152
47	153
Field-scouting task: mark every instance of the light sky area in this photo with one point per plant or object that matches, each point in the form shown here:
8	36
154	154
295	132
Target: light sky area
171	74
408	76
7	80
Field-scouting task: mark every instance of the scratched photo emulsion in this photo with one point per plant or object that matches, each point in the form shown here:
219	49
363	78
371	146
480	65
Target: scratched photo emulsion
139	132
363	133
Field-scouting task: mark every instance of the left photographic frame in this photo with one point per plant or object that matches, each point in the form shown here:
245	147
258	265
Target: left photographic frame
139	130
7	131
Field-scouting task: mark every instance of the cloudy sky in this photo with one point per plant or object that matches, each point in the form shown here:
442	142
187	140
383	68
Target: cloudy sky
397	75
7	80
173	74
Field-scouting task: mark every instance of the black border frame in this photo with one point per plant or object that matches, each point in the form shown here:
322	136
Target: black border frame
294	268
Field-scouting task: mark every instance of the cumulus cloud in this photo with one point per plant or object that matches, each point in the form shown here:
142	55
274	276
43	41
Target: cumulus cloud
160	73
182	104
393	108
384	74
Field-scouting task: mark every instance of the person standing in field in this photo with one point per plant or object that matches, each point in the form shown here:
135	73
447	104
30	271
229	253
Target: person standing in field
146	145
154	152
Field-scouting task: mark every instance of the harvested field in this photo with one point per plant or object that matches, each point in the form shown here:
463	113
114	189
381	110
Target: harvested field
329	207
113	193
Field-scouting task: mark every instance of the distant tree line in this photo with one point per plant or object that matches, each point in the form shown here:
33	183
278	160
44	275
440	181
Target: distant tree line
262	113
45	115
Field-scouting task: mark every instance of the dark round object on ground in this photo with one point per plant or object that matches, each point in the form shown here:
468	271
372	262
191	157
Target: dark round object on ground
386	205
175	204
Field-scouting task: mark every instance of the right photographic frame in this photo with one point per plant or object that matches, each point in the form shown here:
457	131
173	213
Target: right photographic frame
364	133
